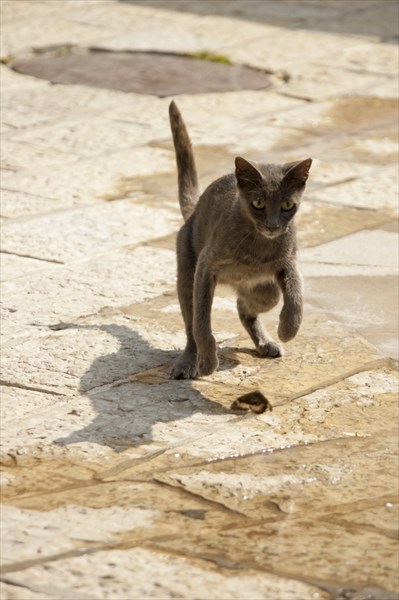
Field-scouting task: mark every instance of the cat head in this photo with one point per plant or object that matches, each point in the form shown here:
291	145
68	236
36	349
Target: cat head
270	194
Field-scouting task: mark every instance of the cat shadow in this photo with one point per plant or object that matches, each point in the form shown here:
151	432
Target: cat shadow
131	394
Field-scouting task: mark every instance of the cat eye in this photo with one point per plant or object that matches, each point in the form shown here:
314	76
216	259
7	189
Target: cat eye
287	205
258	203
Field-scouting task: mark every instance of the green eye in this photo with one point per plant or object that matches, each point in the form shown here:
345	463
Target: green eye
258	203
288	205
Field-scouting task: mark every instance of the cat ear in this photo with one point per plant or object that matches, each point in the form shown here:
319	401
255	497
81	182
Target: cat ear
246	172
298	171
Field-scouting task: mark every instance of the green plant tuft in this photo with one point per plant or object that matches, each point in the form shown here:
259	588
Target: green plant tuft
204	55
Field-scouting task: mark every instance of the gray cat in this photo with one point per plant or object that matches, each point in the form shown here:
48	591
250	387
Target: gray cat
239	232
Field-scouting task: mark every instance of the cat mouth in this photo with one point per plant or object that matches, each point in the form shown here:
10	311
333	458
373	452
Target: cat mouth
270	235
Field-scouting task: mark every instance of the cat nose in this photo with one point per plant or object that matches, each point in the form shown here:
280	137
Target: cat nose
271	228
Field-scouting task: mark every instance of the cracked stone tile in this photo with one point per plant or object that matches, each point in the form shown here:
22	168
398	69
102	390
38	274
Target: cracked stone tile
379	148
158	574
89	353
332	552
315	436
40	299
58	104
16	203
317	76
53	25
368	252
377	190
12	82
164	38
319	222
86	232
132	417
116	373
338	116
28	534
88	179
305	494
326	173
90	136
363	303
178	32
326	478
19	155
16	592
14	267
321	352
325	82
68	485
335	148
23	101
216	119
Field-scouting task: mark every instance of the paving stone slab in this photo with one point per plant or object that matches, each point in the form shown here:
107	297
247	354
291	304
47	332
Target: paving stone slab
19	155
338	554
84	288
38	103
340	115
84	356
30	102
116	375
54	25
16	592
87	180
164	32
215	119
16	204
269	487
286	476
86	232
367	304
55	531
157	575
14	267
326	83
318	222
377	190
371	251
345	147
12	82
85	137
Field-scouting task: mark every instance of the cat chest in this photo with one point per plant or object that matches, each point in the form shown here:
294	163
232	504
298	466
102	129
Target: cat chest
242	274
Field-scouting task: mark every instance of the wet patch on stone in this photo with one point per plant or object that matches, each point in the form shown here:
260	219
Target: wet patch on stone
360	112
141	72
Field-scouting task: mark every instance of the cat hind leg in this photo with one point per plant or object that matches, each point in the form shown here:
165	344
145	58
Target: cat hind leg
185	366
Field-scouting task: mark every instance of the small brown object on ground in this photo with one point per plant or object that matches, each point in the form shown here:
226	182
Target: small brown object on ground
254	401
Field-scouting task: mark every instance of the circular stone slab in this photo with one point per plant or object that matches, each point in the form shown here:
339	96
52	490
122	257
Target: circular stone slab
142	72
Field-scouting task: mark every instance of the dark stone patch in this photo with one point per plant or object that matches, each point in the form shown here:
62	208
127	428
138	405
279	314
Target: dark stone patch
142	72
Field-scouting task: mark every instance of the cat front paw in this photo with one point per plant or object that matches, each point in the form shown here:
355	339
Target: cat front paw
207	363
207	356
185	367
290	321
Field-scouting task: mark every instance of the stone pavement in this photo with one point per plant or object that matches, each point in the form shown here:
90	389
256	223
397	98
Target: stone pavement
119	483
